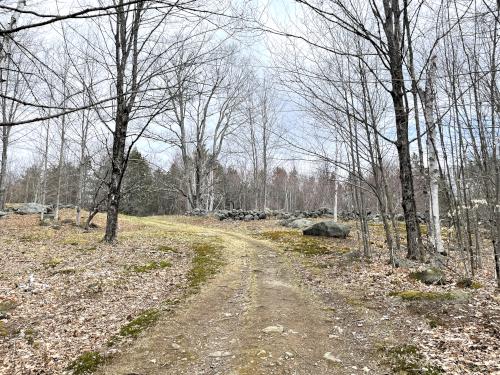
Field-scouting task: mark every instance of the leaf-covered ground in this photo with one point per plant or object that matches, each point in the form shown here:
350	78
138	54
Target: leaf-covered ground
447	328
82	291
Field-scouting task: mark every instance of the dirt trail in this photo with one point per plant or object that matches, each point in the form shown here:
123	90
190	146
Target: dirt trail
220	329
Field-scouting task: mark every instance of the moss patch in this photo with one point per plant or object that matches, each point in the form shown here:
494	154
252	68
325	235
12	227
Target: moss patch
151	266
206	263
3	329
136	326
86	363
469	283
296	242
417	295
407	360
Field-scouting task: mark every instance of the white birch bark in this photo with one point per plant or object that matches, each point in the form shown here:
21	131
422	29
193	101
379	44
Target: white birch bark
429	97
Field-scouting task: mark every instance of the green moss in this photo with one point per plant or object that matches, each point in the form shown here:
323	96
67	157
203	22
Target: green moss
469	283
86	363
476	285
151	266
280	235
407	360
136	326
139	324
29	335
294	241
206	263
434	323
416	295
4	332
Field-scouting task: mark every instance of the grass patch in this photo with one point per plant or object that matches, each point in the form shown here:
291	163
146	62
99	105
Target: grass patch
87	363
151	266
136	326
206	263
416	295
407	360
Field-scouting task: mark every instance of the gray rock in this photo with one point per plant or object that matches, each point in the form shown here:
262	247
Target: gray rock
328	229
300	224
273	329
2	214
32	208
219	353
330	357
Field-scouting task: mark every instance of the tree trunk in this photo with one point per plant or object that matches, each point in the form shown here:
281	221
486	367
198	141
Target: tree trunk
3	166
392	29
60	167
45	167
429	98
114	194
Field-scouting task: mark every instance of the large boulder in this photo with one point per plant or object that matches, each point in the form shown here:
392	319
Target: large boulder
327	229
300	224
32	208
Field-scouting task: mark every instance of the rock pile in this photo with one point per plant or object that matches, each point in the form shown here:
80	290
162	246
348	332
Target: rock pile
197	212
241	215
320	212
287	218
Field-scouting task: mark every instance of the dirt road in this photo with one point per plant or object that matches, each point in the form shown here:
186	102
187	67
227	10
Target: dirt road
254	317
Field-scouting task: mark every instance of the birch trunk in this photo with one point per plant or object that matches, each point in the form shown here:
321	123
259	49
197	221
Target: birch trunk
60	167
45	167
429	98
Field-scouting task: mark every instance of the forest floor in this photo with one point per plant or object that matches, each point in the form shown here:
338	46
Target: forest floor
182	295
